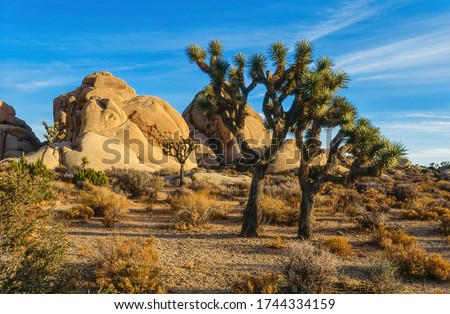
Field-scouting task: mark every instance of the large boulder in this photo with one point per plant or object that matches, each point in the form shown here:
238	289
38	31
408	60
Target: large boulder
16	137
288	158
105	111
157	119
210	130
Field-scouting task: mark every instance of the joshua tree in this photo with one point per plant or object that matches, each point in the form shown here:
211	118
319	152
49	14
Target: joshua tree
356	140
284	82
180	149
52	134
314	104
227	95
370	152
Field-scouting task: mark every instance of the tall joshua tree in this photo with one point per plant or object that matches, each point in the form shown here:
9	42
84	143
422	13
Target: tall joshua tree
356	139
226	95
311	91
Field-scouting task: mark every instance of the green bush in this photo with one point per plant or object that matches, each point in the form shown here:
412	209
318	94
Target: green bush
93	176
34	169
23	186
136	183
32	247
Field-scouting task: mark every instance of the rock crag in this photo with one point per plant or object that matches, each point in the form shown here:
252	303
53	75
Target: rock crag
16	137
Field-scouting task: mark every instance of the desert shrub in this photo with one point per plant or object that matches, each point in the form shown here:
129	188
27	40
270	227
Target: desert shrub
259	284
373	220
34	169
164	172
409	259
62	190
282	187
375	200
136	183
441	211
347	201
107	204
80	212
95	177
383	275
405	192
445	224
437	267
26	183
294	200
127	266
338	245
386	237
309	269
198	208
240	189
430	214
200	185
277	242
274	210
411	214
32	247
444	185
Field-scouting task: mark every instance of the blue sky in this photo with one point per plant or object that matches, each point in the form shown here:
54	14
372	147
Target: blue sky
396	52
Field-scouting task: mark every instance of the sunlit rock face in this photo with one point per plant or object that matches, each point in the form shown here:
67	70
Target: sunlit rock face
16	137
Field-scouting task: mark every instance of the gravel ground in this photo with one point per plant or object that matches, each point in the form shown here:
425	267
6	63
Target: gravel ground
210	259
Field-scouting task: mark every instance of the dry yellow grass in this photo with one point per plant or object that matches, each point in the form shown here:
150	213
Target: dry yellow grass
261	284
127	266
276	211
110	205
277	242
338	245
198	208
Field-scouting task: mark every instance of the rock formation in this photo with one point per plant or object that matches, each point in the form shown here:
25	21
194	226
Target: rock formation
107	122
16	137
210	131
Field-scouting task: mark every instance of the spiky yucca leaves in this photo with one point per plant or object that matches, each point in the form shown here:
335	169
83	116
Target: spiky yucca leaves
371	148
226	94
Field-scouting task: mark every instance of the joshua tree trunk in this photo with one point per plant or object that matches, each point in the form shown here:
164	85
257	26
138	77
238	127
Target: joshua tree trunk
250	220
181	174
306	210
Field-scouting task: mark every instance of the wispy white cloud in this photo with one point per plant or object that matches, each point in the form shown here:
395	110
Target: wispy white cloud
332	19
348	13
31	85
438	153
422	115
421	57
412	128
